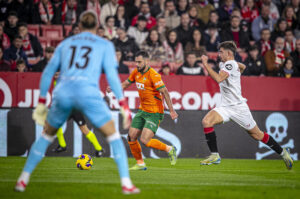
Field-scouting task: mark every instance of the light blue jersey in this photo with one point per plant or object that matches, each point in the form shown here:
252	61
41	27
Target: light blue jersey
80	60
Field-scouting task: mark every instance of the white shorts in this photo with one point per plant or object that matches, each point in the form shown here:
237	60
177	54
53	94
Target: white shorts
239	113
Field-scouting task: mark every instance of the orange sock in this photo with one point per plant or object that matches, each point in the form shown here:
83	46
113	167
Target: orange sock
136	151
156	144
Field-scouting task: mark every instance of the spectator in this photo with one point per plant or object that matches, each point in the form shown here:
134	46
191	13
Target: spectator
23	8
21	66
139	32
280	28
290	41
161	28
75	30
225	10
108	9
190	67
255	63
154	47
250	11
290	16
166	70
182	7
173	48
236	34
4	65
261	22
264	44
100	31
109	28
123	68
296	55
94	5
15	52
170	14
274	59
121	20
157	7
214	19
196	45
195	22
69	12
39	67
212	38
145	12
184	31
288	70
274	13
132	8
296	5
204	9
11	28
5	8
31	44
126	44
44	13
4	39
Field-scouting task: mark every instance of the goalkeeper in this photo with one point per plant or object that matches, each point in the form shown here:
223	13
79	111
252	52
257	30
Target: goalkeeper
80	60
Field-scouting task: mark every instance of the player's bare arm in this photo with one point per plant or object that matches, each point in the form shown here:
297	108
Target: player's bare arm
242	67
218	77
165	93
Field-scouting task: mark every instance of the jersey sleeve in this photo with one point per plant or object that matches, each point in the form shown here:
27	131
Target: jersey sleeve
132	75
110	66
229	67
157	81
51	68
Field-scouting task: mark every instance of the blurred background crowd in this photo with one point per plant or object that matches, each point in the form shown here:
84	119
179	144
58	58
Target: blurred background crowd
174	32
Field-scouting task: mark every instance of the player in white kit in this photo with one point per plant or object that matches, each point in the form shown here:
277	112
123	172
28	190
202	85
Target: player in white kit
233	106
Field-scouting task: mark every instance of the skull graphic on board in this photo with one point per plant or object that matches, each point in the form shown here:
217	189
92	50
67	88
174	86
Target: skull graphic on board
277	126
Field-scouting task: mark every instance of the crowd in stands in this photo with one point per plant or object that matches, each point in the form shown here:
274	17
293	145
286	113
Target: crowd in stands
174	32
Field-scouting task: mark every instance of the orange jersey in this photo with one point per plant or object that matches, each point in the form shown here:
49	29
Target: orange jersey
148	84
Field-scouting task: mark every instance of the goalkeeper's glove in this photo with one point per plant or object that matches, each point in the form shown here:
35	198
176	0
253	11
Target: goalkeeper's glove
39	114
126	113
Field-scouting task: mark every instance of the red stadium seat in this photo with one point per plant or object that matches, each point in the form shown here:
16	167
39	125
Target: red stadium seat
52	31
45	42
34	29
68	29
55	42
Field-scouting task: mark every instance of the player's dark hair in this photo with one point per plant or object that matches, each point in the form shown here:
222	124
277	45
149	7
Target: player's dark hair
142	53
228	45
88	20
20	61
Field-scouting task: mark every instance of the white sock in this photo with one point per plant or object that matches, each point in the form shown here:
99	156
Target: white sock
126	182
114	136
215	153
25	176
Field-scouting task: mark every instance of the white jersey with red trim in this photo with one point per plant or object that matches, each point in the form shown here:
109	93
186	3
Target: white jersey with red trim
230	88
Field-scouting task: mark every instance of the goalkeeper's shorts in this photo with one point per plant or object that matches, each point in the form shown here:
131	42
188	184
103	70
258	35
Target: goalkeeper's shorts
89	103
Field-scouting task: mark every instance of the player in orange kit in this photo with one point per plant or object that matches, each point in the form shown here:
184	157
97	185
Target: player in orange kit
151	88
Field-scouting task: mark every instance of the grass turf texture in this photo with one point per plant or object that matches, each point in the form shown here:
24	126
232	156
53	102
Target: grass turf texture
59	178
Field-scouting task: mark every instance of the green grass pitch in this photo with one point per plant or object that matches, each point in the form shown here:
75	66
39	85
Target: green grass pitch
59	178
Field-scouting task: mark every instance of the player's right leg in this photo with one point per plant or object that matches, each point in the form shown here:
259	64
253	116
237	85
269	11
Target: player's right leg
57	115
62	146
258	135
98	113
212	118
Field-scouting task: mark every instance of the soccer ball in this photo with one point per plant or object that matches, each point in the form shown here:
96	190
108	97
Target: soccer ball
84	162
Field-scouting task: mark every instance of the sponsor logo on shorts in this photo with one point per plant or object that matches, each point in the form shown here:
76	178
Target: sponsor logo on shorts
152	124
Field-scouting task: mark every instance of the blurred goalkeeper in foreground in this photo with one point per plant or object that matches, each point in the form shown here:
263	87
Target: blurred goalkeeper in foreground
80	59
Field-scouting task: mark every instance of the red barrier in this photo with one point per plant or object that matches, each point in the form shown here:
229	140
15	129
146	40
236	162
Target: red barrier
187	92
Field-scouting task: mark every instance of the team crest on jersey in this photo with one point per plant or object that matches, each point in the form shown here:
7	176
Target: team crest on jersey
228	66
140	86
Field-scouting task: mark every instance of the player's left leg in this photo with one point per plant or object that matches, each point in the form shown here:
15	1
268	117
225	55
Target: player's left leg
36	154
258	135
